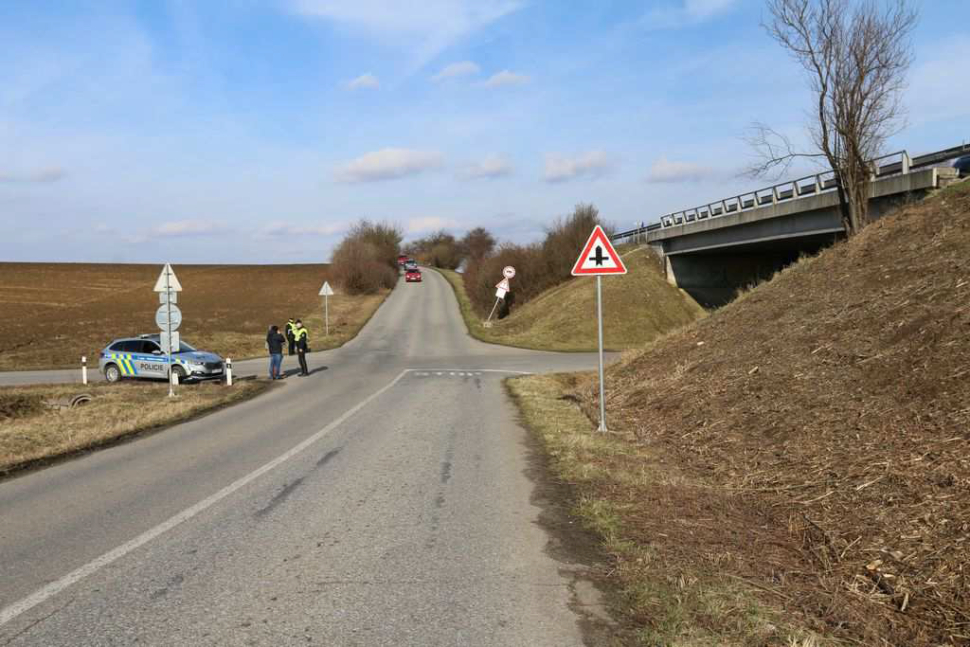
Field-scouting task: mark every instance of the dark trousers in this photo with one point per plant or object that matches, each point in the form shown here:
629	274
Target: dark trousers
301	354
292	348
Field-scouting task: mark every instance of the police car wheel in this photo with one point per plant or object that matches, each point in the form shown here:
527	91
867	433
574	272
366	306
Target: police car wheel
112	373
180	372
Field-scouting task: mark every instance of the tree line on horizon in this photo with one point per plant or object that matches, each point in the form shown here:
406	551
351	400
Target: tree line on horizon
365	261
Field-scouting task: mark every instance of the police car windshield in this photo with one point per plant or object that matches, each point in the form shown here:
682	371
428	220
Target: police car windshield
185	348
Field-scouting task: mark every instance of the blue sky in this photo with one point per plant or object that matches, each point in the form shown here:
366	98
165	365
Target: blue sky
256	131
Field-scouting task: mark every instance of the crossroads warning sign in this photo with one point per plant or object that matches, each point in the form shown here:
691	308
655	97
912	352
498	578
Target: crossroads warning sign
598	257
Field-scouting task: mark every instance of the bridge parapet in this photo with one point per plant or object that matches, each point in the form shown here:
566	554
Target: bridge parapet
898	163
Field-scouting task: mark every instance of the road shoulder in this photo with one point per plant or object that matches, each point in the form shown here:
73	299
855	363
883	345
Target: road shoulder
35	434
606	481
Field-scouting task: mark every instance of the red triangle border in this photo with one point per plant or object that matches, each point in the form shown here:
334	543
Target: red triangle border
598	234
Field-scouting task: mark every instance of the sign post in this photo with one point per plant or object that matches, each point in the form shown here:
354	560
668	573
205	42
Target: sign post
168	317
501	289
326	292
603	261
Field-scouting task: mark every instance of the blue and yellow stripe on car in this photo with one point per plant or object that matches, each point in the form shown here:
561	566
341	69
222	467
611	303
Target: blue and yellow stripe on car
123	360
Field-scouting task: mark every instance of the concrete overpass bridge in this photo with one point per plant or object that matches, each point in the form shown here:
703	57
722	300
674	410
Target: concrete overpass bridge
714	250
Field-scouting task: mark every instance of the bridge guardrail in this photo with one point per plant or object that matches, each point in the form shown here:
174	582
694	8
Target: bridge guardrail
897	163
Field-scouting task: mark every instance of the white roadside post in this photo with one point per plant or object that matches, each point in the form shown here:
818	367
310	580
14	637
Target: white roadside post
228	371
168	317
501	289
326	292
603	261
84	369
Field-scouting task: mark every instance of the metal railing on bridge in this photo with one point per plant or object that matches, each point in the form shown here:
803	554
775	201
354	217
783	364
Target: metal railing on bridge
897	163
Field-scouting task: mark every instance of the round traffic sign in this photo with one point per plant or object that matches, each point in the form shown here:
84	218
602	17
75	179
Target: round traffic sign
508	272
162	318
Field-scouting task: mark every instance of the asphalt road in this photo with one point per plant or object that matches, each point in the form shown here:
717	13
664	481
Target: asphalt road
381	501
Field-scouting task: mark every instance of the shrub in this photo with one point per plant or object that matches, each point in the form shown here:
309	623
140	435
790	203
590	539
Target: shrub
440	249
539	266
366	259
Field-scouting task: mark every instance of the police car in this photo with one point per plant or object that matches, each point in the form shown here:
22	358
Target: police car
142	357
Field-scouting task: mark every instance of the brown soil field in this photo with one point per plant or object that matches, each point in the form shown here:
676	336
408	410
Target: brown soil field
53	313
802	455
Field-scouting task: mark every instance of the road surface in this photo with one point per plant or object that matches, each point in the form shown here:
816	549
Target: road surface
381	501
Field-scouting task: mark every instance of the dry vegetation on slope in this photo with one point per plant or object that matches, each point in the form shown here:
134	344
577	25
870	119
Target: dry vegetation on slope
638	308
808	445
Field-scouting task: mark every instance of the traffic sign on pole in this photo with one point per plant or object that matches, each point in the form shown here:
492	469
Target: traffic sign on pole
167	281
598	257
169	318
326	292
168	315
508	272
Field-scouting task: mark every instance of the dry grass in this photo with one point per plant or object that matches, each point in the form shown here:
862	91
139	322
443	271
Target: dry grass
611	477
31	432
637	308
53	313
809	442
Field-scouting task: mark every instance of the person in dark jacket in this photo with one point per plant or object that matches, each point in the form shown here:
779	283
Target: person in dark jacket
302	346
291	335
274	343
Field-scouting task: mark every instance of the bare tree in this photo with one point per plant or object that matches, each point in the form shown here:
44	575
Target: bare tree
856	55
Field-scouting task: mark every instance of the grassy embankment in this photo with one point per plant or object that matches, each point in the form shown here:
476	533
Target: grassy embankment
795	468
638	308
53	313
30	432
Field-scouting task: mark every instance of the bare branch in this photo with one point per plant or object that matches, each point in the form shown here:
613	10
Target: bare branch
855	54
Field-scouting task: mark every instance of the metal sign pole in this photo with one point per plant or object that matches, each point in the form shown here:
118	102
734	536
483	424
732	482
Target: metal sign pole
599	317
326	313
493	311
168	326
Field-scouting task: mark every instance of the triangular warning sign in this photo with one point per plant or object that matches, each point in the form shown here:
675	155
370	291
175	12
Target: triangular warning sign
503	285
598	257
171	284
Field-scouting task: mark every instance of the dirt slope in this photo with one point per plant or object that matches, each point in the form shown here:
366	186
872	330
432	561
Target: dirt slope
814	436
638	308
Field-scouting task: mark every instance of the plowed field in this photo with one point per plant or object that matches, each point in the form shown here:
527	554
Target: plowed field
53	313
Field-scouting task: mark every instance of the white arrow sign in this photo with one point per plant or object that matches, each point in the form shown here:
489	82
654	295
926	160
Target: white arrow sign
326	290
167	281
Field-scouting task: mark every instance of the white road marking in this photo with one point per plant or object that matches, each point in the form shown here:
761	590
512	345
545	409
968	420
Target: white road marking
26	604
477	371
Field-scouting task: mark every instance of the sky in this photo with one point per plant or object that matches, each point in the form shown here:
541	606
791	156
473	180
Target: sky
258	131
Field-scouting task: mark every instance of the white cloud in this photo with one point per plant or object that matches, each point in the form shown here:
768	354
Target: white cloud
39	176
430	223
388	164
364	81
489	168
175	228
561	168
506	77
664	171
280	228
424	29
464	68
684	13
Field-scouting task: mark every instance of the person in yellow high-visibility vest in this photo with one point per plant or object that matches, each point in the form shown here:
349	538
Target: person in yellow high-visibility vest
290	333
302	339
